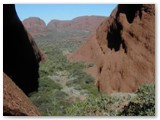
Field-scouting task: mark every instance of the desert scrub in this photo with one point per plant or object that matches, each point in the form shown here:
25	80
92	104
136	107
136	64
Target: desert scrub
144	104
50	98
91	88
83	81
102	104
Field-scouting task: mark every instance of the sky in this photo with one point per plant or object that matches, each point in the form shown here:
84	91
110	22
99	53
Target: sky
48	12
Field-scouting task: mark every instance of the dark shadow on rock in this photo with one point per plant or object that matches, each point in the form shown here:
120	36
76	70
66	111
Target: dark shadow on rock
130	10
19	60
114	38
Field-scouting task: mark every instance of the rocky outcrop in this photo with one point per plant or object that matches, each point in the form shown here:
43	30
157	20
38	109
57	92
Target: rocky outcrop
88	23
35	26
20	53
122	49
15	102
20	64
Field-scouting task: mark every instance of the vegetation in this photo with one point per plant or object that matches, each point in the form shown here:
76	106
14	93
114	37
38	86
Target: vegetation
52	98
65	89
144	104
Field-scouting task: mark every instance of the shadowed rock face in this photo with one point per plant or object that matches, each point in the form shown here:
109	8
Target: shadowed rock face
19	57
130	13
122	49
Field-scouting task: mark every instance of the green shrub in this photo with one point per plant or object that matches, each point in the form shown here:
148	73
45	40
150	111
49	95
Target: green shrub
144	104
91	88
94	105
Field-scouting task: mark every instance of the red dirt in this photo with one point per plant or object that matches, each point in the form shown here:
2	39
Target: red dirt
123	49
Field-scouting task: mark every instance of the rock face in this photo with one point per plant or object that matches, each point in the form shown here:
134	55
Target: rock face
15	102
21	58
122	49
20	54
35	26
88	23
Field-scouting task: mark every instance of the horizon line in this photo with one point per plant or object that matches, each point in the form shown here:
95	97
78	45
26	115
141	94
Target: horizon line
63	19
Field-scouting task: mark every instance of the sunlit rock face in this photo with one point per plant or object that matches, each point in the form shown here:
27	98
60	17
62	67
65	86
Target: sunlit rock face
15	102
122	49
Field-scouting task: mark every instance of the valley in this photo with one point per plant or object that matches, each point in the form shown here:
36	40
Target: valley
65	89
85	66
73	47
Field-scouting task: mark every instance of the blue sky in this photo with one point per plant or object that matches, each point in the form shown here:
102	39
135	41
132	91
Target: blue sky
48	12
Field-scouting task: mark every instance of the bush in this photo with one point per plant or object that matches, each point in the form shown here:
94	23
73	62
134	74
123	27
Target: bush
94	105
144	104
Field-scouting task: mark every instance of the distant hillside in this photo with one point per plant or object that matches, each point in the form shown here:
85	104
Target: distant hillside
37	27
88	23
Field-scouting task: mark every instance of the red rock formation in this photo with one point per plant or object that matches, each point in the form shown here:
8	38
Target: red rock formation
88	23
15	102
123	49
20	54
35	26
20	63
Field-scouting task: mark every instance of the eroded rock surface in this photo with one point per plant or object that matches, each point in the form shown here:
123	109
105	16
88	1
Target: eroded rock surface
122	49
